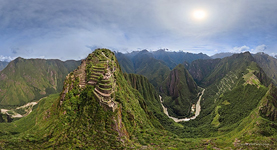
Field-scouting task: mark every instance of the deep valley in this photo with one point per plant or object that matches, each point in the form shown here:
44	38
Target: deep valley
140	100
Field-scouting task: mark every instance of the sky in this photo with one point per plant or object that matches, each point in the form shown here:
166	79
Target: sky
71	29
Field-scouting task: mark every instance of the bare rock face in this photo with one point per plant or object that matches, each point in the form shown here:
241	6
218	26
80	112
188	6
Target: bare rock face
199	69
178	78
172	84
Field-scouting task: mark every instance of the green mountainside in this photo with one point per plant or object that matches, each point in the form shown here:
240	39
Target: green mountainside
25	80
125	63
100	107
154	65
97	109
179	92
3	64
234	88
144	64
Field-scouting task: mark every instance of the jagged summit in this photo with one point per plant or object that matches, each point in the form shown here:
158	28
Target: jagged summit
97	70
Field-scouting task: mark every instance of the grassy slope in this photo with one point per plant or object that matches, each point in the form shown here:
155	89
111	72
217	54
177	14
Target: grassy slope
24	80
227	101
256	128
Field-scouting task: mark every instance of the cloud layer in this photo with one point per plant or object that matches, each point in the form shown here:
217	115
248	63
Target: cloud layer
67	29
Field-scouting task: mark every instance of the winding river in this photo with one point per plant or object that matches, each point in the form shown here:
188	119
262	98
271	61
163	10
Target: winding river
197	111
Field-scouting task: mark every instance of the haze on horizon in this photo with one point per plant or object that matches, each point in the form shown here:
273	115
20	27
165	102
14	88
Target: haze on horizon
68	29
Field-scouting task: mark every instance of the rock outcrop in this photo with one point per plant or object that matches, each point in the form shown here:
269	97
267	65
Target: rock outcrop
268	108
97	71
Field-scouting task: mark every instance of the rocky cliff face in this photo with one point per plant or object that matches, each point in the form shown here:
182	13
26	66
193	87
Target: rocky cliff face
268	64
172	84
268	108
199	69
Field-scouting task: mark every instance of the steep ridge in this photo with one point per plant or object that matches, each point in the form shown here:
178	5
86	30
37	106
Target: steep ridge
233	90
152	102
25	80
154	65
125	63
145	64
97	109
179	92
150	96
201	68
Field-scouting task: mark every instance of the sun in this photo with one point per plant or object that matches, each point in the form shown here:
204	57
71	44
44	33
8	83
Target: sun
199	14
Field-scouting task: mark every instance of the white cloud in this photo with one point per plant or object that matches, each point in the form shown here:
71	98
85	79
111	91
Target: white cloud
6	58
260	48
63	29
240	49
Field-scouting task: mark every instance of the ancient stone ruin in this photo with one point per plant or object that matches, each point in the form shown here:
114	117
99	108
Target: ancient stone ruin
102	78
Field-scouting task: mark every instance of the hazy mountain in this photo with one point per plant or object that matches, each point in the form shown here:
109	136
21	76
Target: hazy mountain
144	64
268	64
125	63
3	64
172	59
221	55
154	65
201	68
25	80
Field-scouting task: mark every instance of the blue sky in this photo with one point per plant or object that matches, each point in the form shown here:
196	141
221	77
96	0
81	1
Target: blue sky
69	29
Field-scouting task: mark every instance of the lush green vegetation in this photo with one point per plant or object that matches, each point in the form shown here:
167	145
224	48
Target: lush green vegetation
179	92
26	80
237	108
79	121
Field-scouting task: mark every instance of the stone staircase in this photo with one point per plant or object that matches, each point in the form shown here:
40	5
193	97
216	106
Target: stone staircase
101	77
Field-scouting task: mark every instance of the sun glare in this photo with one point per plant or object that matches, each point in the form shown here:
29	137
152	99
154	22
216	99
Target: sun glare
199	14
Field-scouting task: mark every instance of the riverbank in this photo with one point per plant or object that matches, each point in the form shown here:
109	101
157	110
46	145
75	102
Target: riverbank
197	111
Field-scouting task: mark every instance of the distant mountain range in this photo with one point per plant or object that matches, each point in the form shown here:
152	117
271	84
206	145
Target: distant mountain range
221	55
120	101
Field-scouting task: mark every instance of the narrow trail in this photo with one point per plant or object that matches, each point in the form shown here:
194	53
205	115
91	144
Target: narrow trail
197	111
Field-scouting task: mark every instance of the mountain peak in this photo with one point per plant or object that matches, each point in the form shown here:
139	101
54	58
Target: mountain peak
97	70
